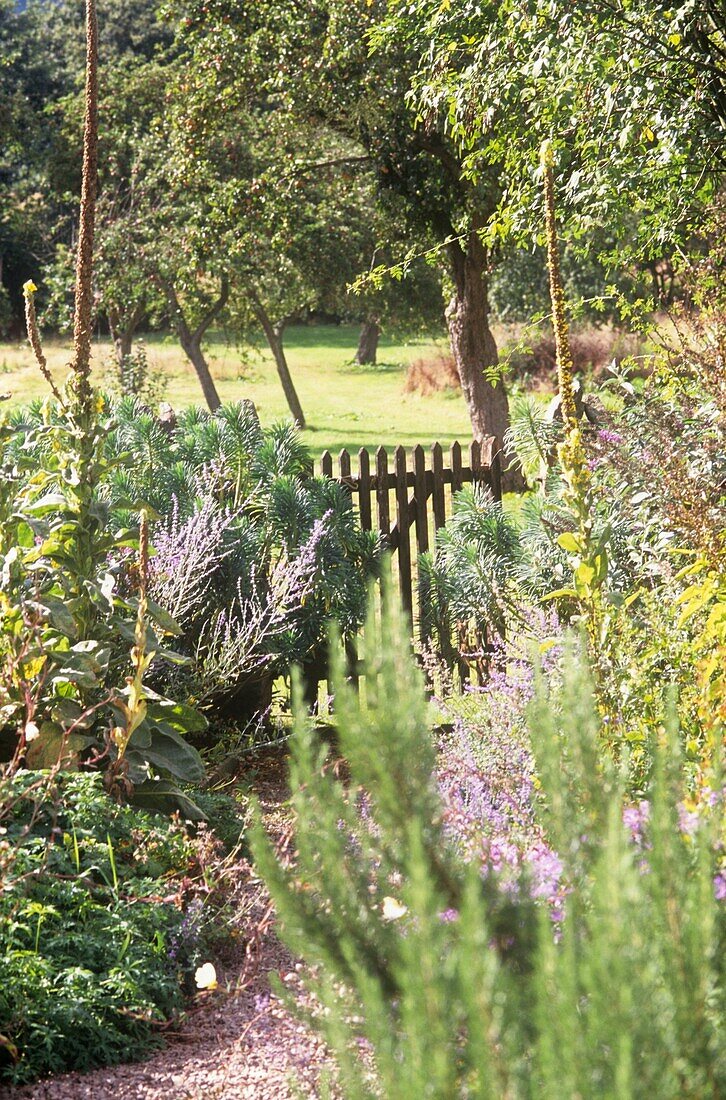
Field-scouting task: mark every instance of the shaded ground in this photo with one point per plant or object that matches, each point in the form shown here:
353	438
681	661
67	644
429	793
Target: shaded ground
241	1044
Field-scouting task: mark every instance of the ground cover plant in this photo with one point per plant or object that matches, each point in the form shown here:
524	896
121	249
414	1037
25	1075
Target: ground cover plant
107	912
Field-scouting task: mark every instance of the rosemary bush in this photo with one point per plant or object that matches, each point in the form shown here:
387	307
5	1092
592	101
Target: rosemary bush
441	981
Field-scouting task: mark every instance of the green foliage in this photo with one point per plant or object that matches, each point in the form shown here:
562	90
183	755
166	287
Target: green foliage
133	376
92	961
472	573
631	93
70	605
253	557
622	997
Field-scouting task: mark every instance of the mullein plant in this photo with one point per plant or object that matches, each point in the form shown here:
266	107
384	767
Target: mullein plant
133	707
79	438
66	570
433	979
588	553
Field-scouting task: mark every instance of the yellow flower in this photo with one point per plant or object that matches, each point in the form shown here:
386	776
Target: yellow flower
29	288
206	977
392	909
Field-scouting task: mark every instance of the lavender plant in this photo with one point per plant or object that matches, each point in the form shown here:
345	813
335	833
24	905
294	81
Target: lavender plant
254	586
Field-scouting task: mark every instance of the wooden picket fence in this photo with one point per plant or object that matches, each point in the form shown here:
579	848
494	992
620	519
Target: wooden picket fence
384	504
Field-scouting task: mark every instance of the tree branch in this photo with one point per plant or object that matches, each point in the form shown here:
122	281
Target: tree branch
214	311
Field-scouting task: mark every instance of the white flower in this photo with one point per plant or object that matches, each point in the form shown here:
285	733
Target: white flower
206	977
392	909
31	731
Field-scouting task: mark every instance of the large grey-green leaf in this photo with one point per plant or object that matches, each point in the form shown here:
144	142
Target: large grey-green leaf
163	796
167	750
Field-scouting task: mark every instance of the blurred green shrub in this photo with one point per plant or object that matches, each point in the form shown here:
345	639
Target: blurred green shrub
434	981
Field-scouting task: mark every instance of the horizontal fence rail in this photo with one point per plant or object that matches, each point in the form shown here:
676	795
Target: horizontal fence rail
385	504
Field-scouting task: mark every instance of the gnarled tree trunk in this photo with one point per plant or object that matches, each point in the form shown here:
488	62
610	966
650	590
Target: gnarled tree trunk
473	345
191	341
368	342
273	334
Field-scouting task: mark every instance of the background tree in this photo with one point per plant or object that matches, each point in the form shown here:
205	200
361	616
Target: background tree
631	94
316	64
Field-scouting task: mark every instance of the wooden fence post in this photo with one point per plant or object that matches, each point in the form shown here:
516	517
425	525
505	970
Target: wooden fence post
456	481
384	514
364	489
439	501
402	522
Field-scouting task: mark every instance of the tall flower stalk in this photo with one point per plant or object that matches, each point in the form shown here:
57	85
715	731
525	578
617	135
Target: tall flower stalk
31	322
83	310
588	554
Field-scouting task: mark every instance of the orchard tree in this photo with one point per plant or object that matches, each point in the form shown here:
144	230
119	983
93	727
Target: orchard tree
41	74
632	94
154	255
315	63
30	79
450	103
295	202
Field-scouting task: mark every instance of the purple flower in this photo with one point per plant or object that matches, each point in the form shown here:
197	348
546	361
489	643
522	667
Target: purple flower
687	820
719	887
605	435
635	818
546	869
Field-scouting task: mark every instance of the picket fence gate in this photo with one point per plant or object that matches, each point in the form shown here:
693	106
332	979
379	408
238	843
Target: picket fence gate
381	490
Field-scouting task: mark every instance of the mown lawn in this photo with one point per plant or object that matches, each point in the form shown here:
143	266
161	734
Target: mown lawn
346	406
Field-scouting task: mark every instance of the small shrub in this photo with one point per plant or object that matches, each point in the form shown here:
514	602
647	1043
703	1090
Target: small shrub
134	376
432	375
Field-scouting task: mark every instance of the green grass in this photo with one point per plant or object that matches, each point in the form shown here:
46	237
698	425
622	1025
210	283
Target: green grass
345	406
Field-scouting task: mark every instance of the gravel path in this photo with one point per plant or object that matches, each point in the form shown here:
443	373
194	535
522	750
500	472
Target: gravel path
238	1043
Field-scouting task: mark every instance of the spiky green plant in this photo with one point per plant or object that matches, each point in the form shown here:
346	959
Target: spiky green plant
622	998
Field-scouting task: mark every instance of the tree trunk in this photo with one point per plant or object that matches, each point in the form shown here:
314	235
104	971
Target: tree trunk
195	355
191	342
123	329
368	342
474	348
273	335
